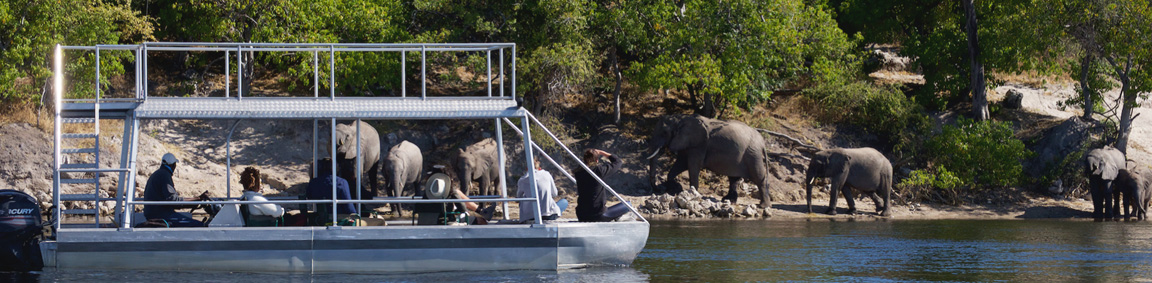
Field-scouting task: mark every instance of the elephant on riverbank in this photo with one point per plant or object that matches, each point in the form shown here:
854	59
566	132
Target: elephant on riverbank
863	169
728	148
478	162
1135	184
402	168
1103	165
369	156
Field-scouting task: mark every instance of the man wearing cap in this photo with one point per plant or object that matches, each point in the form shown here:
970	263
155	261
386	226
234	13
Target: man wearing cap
160	188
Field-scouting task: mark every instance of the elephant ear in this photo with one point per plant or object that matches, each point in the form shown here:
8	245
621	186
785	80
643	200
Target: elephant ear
1108	171
691	132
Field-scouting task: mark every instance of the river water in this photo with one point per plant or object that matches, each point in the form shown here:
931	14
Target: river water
798	250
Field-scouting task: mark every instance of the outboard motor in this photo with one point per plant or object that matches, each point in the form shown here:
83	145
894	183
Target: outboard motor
20	231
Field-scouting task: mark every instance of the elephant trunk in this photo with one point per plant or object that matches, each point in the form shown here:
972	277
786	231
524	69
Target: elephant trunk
654	153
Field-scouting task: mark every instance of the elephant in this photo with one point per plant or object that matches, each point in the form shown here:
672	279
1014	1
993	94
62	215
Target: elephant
1104	164
369	156
478	162
864	169
402	168
728	148
1135	184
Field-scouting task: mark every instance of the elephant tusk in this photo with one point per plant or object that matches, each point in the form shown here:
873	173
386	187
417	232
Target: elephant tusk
654	153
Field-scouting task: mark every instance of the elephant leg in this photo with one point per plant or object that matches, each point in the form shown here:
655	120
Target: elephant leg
733	184
875	197
671	185
834	192
1097	202
850	199
694	175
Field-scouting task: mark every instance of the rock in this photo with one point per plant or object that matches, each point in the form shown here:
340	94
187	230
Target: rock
767	212
655	206
683	201
1057	188
749	211
726	210
1013	99
691	193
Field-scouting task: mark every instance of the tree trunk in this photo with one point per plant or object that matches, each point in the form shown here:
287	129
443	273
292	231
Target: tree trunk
1127	100
619	81
1084	91
979	94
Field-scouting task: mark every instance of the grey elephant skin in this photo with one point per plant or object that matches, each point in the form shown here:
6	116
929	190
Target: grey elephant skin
369	154
1103	166
402	168
728	148
477	162
863	169
1135	184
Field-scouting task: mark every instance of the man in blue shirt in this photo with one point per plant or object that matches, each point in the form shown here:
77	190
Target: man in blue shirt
321	188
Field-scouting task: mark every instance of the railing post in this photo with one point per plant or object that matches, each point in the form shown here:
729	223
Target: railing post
531	171
97	86
315	75
332	78
359	166
145	71
228	160
239	72
403	73
227	73
488	83
513	71
332	141
423	72
501	72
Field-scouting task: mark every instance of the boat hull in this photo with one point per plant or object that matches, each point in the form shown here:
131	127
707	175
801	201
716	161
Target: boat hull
350	249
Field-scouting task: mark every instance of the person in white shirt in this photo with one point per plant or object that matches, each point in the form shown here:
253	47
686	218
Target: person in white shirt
250	181
545	192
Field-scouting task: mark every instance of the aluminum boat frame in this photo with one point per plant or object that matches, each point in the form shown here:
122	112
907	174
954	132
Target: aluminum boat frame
316	249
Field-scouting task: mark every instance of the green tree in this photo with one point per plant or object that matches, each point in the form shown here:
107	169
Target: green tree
29	32
736	52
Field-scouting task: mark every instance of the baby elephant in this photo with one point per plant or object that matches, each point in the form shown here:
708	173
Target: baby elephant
864	169
1136	186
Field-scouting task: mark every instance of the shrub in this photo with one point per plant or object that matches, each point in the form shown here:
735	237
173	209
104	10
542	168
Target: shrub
982	154
880	109
934	184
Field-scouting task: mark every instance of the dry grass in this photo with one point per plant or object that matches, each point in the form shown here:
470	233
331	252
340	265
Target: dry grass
26	113
1033	79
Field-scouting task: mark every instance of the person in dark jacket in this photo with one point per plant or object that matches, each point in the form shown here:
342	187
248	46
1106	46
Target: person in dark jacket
321	187
160	188
591	198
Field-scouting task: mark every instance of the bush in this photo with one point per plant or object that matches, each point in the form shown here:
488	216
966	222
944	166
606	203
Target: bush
880	109
982	154
934	184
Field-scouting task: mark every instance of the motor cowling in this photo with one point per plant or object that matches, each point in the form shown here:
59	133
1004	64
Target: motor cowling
21	228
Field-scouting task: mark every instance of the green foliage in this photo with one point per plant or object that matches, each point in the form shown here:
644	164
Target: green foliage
735	52
983	154
880	109
938	177
29	32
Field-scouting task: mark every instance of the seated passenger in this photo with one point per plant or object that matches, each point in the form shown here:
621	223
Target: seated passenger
545	191
250	181
443	213
321	188
160	188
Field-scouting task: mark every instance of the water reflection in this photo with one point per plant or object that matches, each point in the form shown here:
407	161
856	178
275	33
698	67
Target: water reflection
944	250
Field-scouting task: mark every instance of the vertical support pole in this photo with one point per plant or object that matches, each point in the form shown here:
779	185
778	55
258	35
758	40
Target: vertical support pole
145	67
501	74
315	78
513	71
503	163
315	147
138	74
332	80
488	83
227	73
228	161
58	92
403	73
423	73
239	72
359	168
531	170
332	142
97	90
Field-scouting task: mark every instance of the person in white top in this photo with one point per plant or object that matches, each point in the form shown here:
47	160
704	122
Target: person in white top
545	191
250	181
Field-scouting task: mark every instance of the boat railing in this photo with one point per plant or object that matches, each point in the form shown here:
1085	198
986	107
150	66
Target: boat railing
498	104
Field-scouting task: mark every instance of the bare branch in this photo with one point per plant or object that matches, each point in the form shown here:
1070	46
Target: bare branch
794	140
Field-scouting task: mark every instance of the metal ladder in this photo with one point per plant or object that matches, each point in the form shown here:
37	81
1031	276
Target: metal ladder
90	170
